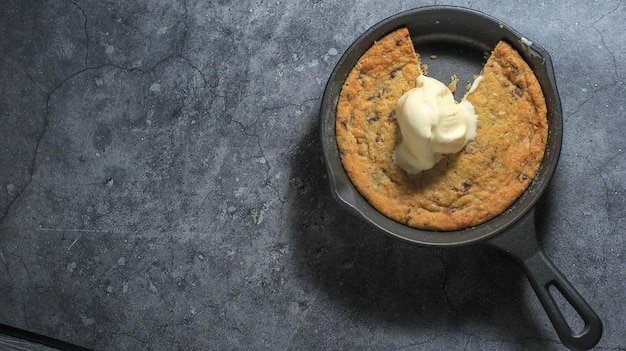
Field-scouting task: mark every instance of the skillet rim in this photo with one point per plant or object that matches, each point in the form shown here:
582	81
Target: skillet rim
474	27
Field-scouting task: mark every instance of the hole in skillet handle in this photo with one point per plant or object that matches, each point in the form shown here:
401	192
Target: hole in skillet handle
512	231
573	318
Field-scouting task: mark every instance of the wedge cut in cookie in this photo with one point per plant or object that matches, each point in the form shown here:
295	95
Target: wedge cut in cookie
463	189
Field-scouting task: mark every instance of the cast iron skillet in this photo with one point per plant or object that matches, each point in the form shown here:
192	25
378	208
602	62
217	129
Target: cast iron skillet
459	38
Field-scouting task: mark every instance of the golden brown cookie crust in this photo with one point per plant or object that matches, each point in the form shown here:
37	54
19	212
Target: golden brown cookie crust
464	189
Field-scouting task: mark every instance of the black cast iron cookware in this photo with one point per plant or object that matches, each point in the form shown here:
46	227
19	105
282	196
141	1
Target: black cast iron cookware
459	38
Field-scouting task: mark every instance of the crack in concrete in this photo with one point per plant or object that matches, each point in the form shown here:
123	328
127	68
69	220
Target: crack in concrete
12	202
186	29
420	343
598	174
607	206
247	131
48	102
86	68
268	166
604	15
444	285
87	39
21	191
46	116
599	89
287	105
4	261
616	76
603	276
146	343
267	181
25	319
514	341
467	342
616	72
204	79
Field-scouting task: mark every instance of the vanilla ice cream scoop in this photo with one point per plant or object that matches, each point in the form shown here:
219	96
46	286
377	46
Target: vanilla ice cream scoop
431	124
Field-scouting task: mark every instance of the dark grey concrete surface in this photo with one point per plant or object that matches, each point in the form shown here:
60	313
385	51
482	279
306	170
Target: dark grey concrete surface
162	184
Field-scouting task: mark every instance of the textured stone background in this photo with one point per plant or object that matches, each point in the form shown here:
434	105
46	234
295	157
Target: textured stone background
162	187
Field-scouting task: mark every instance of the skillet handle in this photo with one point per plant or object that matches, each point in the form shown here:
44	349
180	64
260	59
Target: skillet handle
521	243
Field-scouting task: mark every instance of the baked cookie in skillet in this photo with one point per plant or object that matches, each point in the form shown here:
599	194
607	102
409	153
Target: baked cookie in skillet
463	189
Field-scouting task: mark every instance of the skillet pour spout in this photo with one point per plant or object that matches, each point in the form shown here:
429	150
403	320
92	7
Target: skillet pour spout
512	231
